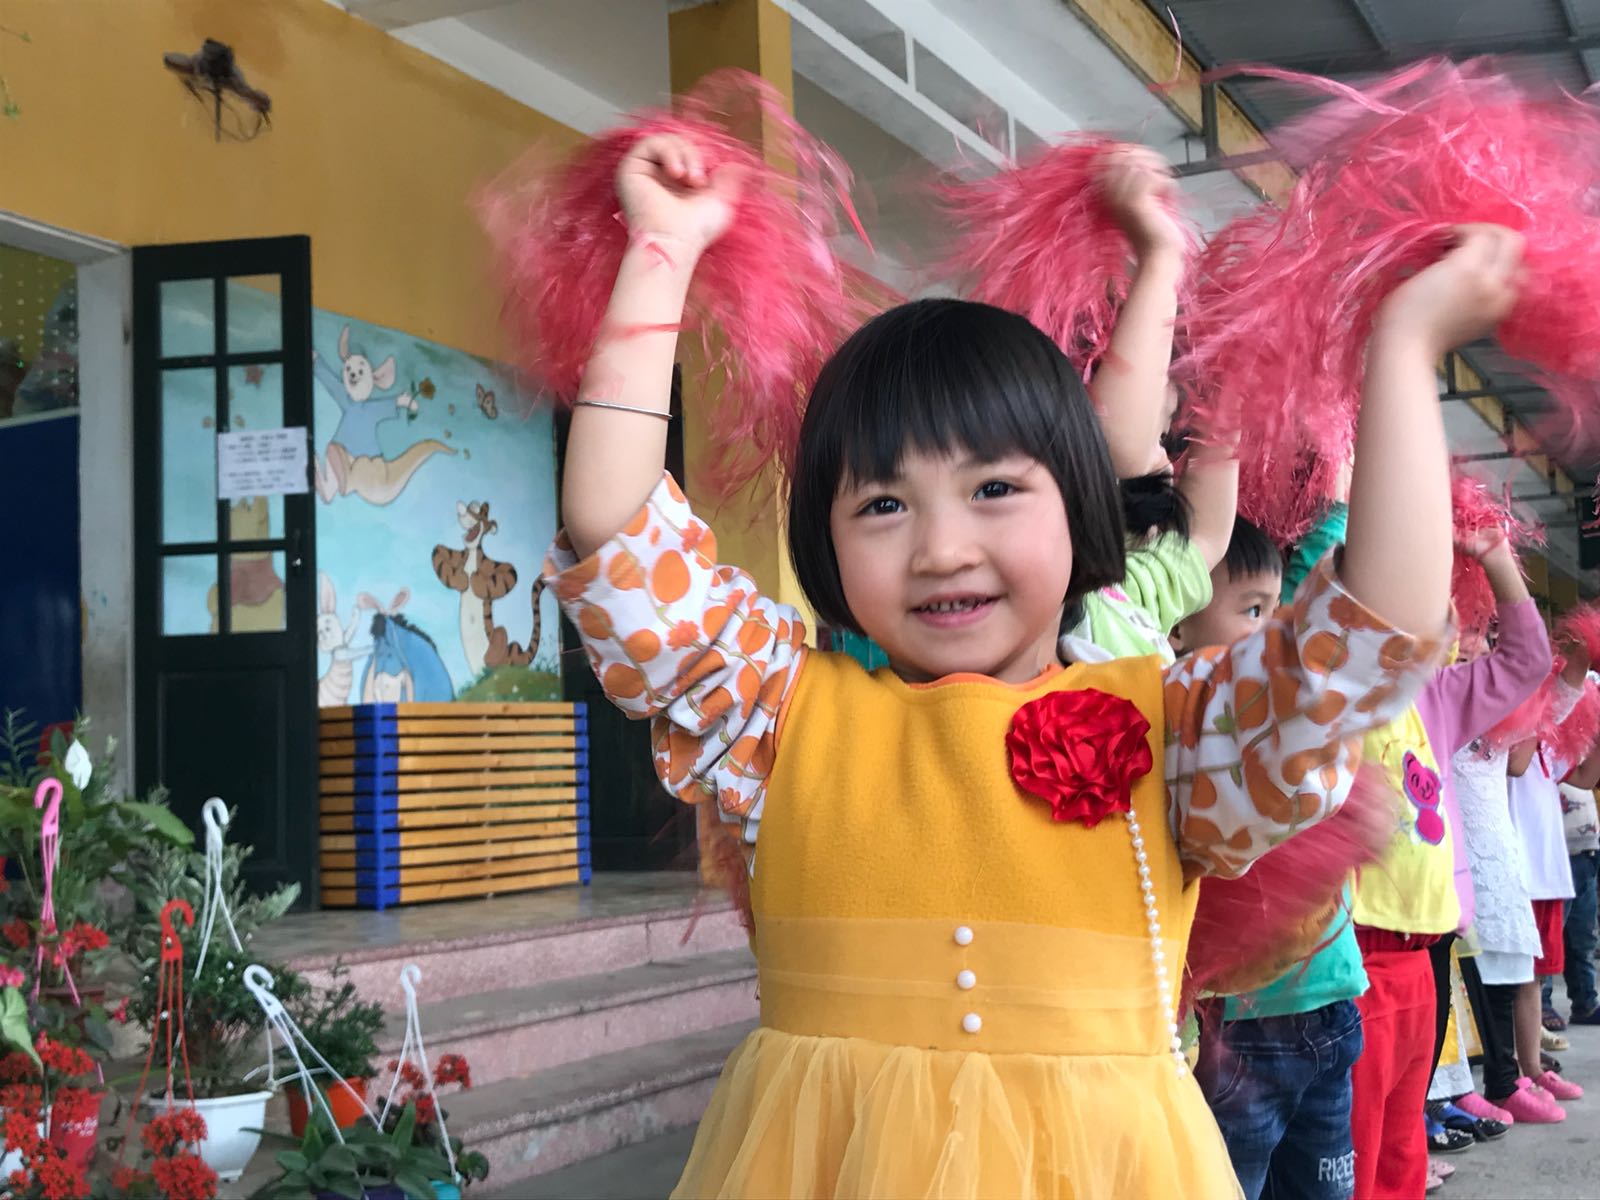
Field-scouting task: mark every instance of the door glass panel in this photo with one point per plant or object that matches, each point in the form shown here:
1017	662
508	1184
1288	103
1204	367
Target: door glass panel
189	455
188	594
255	401
188	317
255	319
255	596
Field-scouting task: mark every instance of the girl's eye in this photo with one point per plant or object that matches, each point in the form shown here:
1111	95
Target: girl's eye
880	506
1253	611
995	489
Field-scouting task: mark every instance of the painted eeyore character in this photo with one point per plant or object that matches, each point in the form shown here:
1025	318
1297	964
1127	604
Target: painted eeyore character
405	665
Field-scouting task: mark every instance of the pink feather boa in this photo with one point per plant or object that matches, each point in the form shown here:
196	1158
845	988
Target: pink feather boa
770	299
1476	509
1284	300
1037	238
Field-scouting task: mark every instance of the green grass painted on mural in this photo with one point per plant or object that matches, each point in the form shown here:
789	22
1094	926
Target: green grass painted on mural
513	683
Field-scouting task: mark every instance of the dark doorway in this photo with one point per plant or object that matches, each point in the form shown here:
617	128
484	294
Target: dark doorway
224	613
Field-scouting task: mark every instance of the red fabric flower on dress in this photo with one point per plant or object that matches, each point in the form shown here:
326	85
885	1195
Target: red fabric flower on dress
1080	751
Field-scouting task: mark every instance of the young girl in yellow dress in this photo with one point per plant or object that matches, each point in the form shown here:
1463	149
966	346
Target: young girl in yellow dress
975	868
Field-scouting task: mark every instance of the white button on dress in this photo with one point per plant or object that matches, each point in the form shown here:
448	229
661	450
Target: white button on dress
966	981
963	935
972	1022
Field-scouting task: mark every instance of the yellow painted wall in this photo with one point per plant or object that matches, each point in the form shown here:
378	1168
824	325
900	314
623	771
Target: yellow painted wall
373	151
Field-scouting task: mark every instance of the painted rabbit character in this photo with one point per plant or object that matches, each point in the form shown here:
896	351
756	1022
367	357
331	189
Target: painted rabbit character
338	643
353	461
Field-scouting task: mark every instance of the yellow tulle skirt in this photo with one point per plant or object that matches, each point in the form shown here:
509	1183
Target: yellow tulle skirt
806	1116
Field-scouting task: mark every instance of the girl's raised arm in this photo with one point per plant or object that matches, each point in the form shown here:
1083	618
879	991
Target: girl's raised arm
1129	389
616	449
1398	547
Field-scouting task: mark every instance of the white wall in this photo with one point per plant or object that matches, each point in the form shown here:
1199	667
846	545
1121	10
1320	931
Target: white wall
105	482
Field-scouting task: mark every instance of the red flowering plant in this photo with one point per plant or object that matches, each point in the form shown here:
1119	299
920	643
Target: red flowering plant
103	837
1080	751
413	1094
50	1101
172	1168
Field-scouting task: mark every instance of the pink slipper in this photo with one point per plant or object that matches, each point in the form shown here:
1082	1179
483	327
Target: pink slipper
1559	1087
1478	1107
1440	1169
1533	1105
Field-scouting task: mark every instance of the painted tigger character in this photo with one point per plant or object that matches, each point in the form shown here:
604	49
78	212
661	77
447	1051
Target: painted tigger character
481	581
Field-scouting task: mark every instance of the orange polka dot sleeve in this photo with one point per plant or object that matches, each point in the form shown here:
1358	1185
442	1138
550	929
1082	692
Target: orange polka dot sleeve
1264	737
690	644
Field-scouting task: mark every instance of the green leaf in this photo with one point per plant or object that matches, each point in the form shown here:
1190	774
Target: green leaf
293	1160
339	1158
98	1031
14	1025
1224	723
406	1126
415	1184
162	819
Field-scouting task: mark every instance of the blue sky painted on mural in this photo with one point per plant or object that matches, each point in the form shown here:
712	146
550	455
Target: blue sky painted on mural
424	440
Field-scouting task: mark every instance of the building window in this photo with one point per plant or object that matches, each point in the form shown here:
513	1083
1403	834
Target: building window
38	334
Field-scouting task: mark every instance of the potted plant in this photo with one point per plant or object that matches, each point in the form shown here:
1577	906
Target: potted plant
369	1164
103	838
344	1029
50	1099
173	1168
451	1071
223	1024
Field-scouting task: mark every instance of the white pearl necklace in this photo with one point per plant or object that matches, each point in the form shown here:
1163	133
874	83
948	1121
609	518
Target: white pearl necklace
1158	956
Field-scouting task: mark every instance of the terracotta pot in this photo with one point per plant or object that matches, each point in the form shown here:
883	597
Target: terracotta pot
347	1110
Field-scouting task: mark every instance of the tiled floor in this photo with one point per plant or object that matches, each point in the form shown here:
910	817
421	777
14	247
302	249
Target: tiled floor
342	931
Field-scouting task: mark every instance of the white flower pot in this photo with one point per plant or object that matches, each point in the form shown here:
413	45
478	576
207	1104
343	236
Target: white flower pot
232	1123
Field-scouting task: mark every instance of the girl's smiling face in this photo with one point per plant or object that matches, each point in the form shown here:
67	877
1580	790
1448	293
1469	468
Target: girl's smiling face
956	565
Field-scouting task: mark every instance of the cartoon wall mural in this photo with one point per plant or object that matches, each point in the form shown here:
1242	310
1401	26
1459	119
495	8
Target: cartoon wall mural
404	665
481	581
398	472
353	462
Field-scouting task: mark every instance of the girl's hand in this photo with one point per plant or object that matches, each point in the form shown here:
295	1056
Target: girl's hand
1139	189
666	192
1462	296
1479	545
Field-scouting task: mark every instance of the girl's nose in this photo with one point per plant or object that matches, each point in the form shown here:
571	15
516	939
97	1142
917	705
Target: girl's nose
946	544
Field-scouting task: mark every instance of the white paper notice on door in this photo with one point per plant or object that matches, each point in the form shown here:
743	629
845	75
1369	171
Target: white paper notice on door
262	462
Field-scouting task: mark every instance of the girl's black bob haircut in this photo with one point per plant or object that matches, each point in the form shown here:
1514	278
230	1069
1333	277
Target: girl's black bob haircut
939	376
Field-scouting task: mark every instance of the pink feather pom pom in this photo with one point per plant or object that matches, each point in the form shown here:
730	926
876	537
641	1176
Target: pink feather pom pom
1037	238
1529	717
1476	509
770	286
1284	299
1582	625
1254	929
1572	740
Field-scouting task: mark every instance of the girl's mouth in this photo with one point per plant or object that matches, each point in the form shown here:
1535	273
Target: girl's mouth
952	612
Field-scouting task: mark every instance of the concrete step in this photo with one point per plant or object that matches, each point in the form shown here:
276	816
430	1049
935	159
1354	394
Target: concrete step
519	1031
472	964
529	1126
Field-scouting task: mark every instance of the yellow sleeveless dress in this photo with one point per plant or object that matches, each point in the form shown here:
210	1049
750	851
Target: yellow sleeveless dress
958	994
